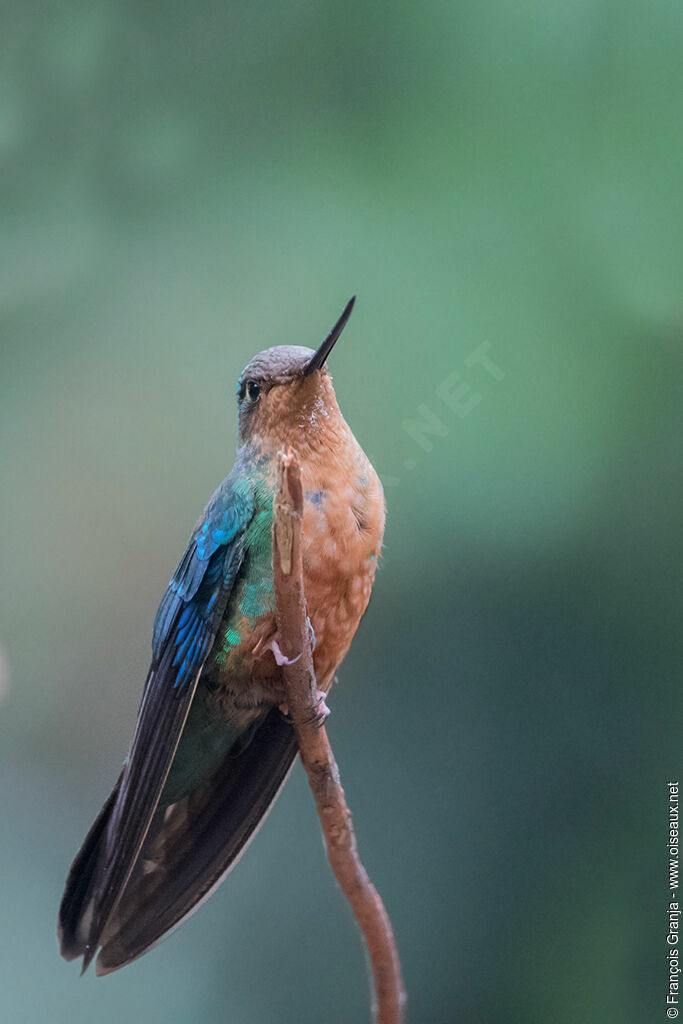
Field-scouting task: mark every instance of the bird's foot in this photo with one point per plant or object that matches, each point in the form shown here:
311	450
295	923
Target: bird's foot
273	646
321	708
281	658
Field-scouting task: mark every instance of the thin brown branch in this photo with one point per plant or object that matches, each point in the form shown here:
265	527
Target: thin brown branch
316	753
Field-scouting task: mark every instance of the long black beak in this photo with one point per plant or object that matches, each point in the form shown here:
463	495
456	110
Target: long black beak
318	360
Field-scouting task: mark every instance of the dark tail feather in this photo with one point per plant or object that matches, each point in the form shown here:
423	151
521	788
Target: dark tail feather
73	924
192	845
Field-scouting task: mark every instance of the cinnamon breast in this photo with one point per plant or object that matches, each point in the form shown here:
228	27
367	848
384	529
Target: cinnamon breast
342	529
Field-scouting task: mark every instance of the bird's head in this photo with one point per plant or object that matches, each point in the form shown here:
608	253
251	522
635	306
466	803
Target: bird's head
285	393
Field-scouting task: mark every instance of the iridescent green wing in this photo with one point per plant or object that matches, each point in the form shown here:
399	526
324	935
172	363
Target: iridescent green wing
184	629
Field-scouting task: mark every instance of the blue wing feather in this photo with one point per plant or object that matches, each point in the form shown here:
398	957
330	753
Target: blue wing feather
196	584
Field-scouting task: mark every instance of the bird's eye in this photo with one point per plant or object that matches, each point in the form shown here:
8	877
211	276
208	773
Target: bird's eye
253	389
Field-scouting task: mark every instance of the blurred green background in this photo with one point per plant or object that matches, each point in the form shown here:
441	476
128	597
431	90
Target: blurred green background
183	185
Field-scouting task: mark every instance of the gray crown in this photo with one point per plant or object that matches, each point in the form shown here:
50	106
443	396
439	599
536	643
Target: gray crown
279	362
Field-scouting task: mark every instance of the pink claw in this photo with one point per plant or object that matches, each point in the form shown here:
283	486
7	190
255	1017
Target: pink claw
273	645
280	658
321	707
321	704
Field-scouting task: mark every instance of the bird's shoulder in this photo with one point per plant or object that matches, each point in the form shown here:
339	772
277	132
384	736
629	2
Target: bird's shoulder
227	513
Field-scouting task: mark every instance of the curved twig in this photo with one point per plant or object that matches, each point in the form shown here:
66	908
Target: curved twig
316	753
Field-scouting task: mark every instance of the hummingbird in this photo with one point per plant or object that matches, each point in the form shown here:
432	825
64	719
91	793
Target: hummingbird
212	744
